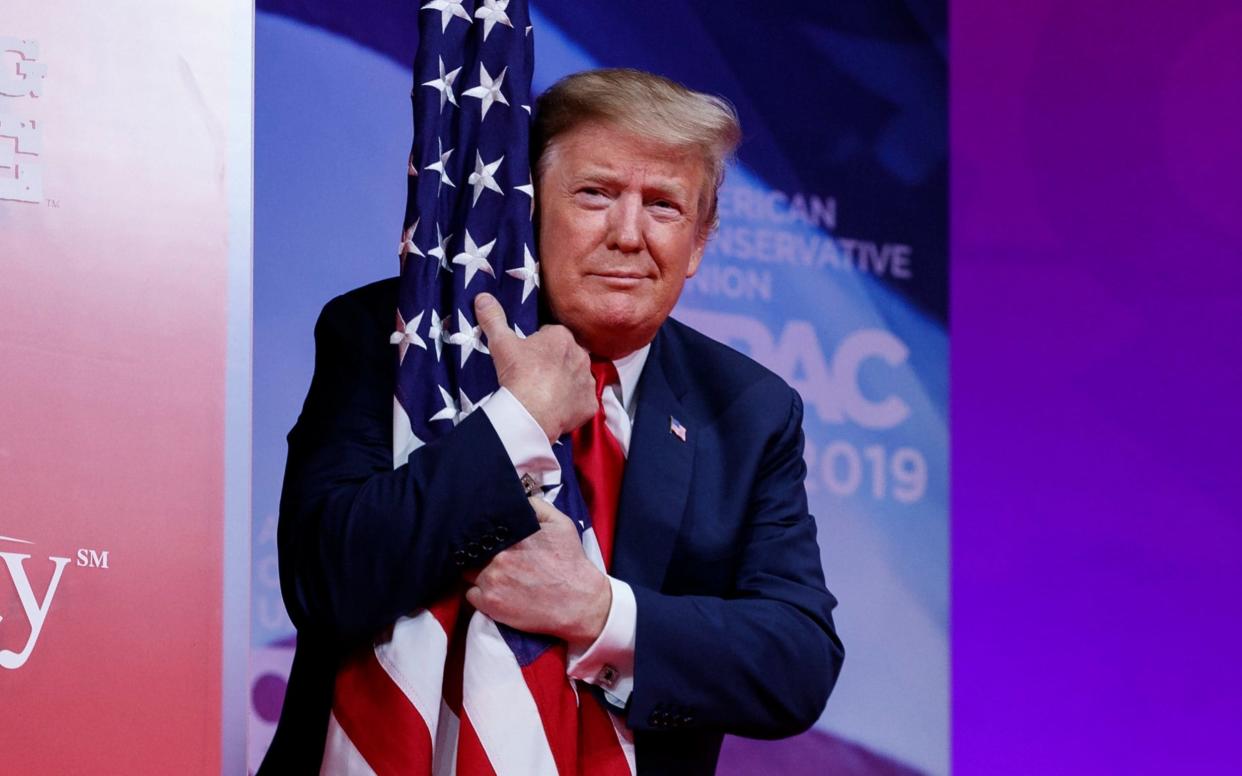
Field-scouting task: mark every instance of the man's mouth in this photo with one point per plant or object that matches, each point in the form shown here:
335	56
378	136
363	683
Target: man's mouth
619	280
619	275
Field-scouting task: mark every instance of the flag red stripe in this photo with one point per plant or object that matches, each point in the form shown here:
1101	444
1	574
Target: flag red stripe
599	753
455	661
381	722
445	610
471	757
558	707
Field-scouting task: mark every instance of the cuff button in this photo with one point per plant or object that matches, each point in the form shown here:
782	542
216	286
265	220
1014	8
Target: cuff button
607	677
529	485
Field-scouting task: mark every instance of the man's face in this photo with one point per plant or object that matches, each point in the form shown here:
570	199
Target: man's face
620	230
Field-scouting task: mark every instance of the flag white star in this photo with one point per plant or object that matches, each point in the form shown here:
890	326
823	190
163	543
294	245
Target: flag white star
528	273
440	165
448	9
444	85
440	252
450	410
488	89
468	406
435	331
529	190
455	411
518	331
406	335
468	338
407	245
483	176
474	258
492	13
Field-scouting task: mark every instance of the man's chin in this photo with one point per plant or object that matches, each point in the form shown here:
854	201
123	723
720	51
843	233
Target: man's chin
618	334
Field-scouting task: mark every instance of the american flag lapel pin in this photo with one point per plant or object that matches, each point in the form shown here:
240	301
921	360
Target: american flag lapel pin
676	429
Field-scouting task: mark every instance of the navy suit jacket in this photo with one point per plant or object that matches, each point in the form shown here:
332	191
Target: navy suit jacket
734	624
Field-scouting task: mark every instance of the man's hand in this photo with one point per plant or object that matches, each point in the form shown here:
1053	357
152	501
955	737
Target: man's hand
545	583
548	372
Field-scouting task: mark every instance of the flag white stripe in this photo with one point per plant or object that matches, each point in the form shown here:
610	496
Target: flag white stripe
590	548
500	706
340	756
445	761
414	659
404	441
625	737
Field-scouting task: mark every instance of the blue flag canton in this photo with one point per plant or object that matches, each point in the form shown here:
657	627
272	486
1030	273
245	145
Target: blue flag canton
470	200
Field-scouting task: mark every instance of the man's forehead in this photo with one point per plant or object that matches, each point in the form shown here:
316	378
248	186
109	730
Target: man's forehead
653	174
597	152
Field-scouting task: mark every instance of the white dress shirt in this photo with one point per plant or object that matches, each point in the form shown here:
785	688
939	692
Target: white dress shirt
608	662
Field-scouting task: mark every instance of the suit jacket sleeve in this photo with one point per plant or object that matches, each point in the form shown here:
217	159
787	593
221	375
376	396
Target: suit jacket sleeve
761	660
361	543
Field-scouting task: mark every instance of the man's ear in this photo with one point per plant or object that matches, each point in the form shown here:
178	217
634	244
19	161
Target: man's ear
696	258
701	236
703	232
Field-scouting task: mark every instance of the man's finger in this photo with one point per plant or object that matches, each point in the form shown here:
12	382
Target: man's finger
492	320
545	512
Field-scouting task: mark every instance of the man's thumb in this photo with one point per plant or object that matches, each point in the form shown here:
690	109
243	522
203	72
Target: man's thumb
491	318
544	511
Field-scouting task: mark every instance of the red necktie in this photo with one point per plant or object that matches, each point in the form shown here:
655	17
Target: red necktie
600	463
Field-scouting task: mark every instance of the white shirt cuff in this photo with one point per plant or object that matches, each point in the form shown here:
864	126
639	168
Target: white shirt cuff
608	663
524	441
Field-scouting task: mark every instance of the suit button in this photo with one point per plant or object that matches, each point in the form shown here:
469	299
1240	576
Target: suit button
459	557
487	542
473	550
501	532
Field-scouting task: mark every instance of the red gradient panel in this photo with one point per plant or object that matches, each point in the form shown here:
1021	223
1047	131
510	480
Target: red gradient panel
113	270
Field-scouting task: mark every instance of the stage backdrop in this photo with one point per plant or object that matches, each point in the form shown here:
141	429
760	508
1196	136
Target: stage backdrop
829	267
124	344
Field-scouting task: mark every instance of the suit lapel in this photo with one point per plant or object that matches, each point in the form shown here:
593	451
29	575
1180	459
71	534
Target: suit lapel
657	473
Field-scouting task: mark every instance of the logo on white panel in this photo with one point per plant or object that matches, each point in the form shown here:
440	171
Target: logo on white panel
22	78
19	560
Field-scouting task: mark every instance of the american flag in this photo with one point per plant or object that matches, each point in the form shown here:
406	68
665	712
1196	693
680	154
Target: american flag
448	690
676	429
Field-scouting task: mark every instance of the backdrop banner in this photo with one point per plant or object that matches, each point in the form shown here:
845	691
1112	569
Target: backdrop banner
124	144
829	267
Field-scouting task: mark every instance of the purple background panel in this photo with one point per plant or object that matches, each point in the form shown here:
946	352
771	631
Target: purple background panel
1096	292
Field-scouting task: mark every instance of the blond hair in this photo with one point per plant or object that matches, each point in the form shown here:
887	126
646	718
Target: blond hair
648	105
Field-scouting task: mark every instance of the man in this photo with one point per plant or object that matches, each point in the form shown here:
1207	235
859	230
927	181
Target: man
713	617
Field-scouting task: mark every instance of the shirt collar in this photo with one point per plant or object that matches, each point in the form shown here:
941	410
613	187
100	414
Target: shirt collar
629	369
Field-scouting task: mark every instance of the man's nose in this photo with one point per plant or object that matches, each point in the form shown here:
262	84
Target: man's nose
625	229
